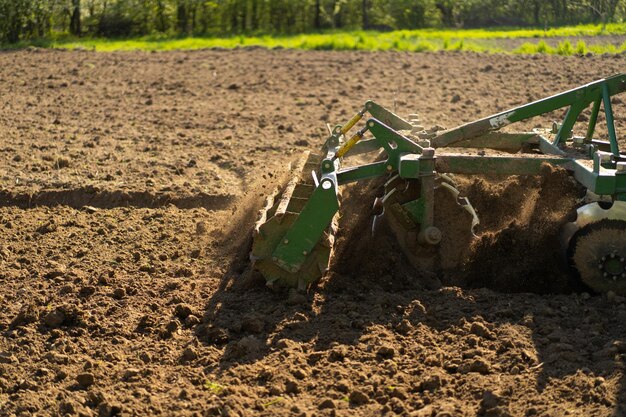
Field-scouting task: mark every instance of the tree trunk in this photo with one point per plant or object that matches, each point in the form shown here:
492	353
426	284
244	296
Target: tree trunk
244	16
75	26
536	11
161	22
181	17
365	20
204	19
447	12
318	15
612	7
337	22
193	12
14	26
234	22
254	16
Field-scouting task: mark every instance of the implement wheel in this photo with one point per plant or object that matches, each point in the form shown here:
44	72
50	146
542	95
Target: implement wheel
598	253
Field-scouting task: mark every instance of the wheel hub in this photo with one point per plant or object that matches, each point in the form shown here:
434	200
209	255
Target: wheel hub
613	266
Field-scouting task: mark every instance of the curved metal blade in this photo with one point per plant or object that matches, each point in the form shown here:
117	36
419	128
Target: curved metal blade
463	202
591	213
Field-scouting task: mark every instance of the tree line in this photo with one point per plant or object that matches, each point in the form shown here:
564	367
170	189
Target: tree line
30	19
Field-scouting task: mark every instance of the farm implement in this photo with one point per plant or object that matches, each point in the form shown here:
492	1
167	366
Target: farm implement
294	235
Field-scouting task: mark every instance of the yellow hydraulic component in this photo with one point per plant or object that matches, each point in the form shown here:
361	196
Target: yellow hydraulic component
349	144
355	119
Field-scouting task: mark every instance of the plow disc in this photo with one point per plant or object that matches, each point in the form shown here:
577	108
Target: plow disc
440	246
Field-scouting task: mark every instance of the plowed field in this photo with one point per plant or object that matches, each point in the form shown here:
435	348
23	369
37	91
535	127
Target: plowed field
129	185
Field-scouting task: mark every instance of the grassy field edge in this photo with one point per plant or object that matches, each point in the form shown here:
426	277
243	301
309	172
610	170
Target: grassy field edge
477	40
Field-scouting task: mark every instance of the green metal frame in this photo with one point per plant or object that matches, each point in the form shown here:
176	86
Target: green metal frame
577	99
598	170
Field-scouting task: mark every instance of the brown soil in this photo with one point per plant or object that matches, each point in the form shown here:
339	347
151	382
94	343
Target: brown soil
514	43
519	246
130	184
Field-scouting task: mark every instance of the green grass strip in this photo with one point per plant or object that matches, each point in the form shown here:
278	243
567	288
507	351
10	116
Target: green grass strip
478	40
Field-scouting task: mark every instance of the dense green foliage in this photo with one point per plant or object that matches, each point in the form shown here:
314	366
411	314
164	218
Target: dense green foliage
31	19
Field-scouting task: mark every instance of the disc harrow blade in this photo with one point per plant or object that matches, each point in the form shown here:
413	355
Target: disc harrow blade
455	219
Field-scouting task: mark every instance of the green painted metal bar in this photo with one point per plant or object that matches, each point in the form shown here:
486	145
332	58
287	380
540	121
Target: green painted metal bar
387	117
391	140
598	182
586	176
361	172
568	123
608	110
547	147
584	94
593	119
497	165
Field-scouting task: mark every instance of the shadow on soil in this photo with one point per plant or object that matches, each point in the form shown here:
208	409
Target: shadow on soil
373	299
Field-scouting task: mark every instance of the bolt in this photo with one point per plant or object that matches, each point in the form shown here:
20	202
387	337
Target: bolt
371	124
603	258
622	260
389	167
286	241
304	252
614	277
600	266
431	235
613	255
434	234
606	274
